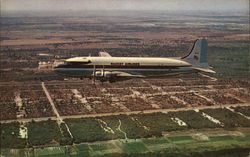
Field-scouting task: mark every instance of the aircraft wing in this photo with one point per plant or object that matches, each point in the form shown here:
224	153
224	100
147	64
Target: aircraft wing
104	54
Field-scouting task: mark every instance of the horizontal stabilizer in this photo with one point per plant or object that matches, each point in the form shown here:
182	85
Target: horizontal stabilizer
204	70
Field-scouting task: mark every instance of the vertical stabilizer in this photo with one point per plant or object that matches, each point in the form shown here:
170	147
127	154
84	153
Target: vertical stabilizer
198	55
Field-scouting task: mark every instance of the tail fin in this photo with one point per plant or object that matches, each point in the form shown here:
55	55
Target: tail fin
198	56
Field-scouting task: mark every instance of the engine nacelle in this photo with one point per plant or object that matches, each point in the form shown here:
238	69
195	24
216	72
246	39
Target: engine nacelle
105	74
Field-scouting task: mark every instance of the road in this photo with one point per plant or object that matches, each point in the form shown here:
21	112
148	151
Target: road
59	118
51	102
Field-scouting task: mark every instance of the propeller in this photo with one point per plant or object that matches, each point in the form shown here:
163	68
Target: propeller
94	74
103	72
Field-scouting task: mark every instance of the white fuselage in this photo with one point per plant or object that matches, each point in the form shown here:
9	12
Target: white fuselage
143	61
136	66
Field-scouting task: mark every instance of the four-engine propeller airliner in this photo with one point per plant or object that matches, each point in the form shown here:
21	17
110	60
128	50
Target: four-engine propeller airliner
108	68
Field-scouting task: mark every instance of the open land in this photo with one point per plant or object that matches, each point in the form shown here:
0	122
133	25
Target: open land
44	115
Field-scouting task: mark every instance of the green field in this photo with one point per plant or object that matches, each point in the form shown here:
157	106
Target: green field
228	118
135	126
243	109
220	143
86	129
10	136
134	147
43	133
158	122
194	120
152	133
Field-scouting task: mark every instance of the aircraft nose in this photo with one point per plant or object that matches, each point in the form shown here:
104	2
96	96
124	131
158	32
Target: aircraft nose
58	69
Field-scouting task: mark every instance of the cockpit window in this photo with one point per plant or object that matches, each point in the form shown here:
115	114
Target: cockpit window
76	63
73	64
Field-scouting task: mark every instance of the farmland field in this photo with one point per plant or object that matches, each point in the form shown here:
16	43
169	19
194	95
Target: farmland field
183	142
244	110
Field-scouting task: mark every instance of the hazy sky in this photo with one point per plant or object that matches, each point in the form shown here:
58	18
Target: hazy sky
55	5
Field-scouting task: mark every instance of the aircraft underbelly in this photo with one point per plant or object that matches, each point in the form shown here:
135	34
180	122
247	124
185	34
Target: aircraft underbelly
83	72
156	72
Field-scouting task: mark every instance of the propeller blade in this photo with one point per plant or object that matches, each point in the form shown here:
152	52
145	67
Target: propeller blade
94	74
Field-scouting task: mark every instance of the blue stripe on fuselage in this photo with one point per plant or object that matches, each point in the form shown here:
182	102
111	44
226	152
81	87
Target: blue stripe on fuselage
84	72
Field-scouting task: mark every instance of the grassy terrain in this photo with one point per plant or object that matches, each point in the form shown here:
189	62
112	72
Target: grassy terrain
158	122
194	120
243	109
155	141
43	133
134	147
178	139
10	136
82	150
220	143
228	118
86	129
127	127
66	138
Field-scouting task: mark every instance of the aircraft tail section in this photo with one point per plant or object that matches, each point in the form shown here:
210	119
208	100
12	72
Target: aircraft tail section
198	56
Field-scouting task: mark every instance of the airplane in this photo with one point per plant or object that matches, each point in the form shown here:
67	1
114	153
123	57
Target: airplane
113	69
